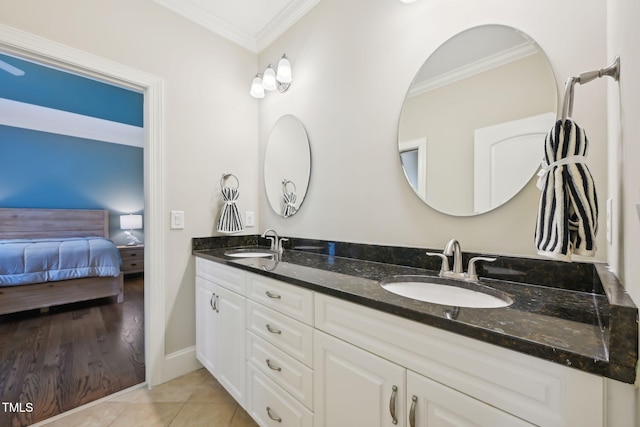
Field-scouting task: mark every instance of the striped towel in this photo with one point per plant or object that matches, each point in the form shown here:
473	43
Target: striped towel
568	210
230	221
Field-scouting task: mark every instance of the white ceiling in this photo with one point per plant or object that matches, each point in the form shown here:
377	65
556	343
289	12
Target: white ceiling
253	24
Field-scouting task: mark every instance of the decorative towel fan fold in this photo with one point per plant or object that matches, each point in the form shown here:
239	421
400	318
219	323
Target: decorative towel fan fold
568	210
230	220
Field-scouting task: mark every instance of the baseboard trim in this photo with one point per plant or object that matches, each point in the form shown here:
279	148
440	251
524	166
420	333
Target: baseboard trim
179	363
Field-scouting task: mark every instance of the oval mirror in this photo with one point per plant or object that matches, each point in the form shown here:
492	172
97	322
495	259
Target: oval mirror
472	126
287	166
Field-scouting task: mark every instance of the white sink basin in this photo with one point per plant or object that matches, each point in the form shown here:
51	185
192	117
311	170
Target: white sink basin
445	292
250	253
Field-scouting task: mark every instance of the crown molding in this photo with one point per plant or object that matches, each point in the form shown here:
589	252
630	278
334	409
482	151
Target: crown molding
283	21
469	70
254	43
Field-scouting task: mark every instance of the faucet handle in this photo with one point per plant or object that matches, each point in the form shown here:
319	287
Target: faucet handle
280	247
471	270
445	261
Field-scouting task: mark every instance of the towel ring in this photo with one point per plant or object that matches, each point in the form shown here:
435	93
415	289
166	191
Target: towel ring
285	182
226	176
613	70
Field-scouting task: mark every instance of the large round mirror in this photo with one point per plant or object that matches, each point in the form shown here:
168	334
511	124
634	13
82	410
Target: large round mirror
287	165
472	127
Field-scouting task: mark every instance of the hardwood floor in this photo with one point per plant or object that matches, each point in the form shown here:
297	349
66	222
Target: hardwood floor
72	355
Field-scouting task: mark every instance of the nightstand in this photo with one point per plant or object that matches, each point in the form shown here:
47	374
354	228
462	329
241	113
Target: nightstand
132	259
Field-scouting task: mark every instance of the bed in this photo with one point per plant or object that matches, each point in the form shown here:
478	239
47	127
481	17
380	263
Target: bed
44	227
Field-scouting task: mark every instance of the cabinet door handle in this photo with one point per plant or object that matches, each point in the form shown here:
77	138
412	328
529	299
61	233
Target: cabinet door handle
412	412
275	368
271	295
272	330
273	417
211	302
392	404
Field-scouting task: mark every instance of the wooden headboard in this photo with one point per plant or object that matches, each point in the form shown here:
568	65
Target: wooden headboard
16	223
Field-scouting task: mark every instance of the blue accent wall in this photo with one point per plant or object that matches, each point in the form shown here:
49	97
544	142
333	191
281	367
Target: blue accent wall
46	170
53	88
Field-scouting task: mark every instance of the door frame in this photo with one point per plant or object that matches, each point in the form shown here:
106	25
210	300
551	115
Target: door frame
30	46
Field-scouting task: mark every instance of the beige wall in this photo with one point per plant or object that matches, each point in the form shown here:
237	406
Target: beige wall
210	121
353	63
624	142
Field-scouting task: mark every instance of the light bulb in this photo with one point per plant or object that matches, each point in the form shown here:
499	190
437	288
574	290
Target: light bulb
269	78
257	91
284	70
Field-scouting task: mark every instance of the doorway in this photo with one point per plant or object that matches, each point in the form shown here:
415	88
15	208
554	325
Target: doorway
30	47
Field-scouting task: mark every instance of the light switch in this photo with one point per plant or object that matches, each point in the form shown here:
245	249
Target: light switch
177	220
250	219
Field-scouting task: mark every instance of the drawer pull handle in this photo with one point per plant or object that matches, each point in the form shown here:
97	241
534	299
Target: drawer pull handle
275	368
392	404
412	412
274	418
273	330
274	296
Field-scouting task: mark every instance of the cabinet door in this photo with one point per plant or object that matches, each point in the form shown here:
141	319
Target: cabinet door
353	387
205	323
230	343
431	404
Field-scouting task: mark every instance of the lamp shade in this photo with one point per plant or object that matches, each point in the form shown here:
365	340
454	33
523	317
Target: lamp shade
269	79
284	70
130	222
257	91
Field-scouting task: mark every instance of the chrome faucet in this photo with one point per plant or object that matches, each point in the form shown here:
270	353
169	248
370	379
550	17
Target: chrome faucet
275	239
457	272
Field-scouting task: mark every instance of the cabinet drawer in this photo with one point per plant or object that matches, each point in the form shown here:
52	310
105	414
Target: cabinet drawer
290	374
289	299
132	265
289	335
229	277
269	405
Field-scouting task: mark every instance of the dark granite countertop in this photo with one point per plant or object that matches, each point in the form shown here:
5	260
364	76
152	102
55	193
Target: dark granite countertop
574	314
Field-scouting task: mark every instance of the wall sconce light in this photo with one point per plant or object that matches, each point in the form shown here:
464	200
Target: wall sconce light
271	79
131	222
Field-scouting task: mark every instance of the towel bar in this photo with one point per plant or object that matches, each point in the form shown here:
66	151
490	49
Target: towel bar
613	70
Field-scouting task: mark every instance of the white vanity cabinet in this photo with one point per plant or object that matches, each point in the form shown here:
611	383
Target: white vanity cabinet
279	352
356	387
456	380
294	357
220	325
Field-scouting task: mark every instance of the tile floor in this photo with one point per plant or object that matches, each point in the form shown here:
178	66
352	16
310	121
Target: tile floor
193	400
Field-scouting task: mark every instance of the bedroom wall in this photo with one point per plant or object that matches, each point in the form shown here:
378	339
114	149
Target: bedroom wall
45	170
40	169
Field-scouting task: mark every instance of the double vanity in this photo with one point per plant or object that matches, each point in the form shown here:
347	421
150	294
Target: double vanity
321	335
